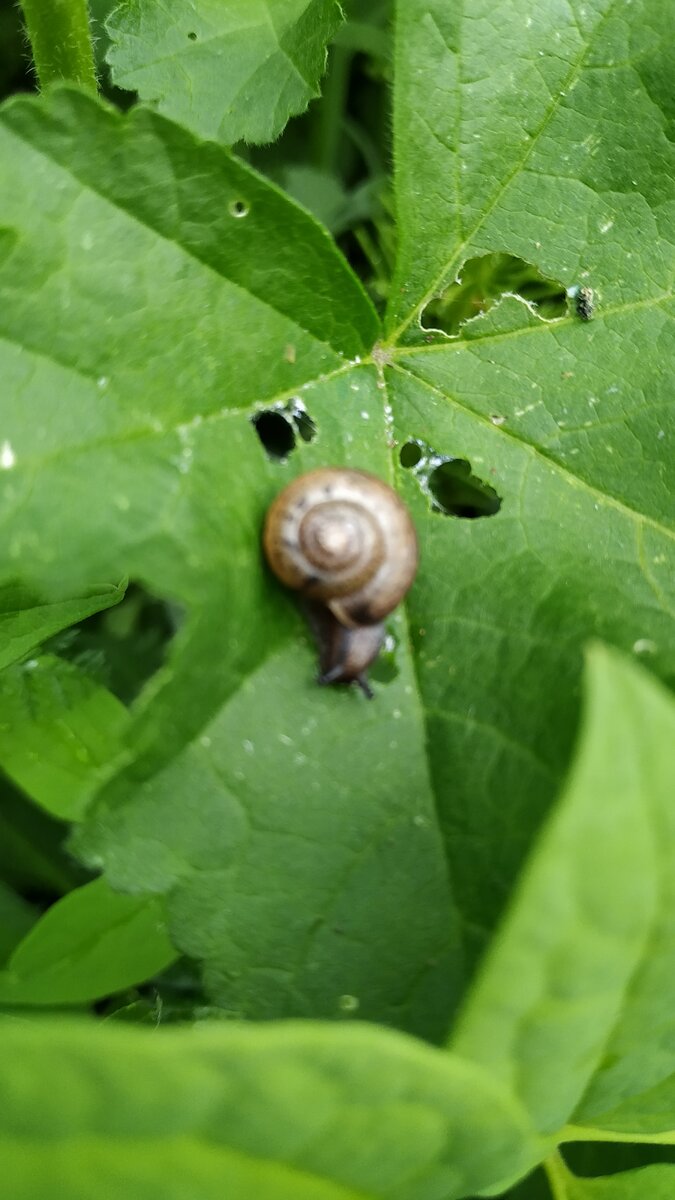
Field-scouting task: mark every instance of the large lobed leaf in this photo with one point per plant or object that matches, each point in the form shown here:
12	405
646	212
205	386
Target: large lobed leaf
232	70
303	835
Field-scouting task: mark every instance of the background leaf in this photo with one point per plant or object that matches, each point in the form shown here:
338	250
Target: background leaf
585	956
26	620
58	728
475	146
230	71
92	942
656	1182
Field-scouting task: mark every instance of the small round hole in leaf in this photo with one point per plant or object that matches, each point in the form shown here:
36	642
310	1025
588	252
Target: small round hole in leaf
275	432
410	454
459	493
239	208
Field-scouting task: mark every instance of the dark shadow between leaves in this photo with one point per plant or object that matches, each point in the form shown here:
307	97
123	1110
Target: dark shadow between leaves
124	646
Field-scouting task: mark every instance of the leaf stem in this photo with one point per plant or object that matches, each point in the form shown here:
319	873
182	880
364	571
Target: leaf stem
580	1133
60	39
557	1175
331	108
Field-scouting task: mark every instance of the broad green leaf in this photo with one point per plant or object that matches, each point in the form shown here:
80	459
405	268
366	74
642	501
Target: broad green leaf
91	943
231	70
16	918
305	873
58	729
654	1183
359	1108
578	987
179	483
535	155
26	619
168	483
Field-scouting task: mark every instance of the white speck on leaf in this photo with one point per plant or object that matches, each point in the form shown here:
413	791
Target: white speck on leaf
248	746
348	1003
7	457
644	646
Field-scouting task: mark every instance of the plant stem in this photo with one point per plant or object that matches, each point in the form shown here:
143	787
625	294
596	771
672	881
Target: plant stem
60	39
557	1175
579	1133
330	110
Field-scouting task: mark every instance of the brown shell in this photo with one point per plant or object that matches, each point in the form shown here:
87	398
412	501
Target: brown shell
345	538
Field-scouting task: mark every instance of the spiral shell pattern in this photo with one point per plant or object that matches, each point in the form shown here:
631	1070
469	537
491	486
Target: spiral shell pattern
343	537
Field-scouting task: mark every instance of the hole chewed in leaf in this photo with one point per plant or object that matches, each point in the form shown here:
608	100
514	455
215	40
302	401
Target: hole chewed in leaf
276	434
449	483
279	426
483	282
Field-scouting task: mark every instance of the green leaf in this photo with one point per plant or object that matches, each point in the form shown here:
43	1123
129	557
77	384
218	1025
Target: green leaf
91	943
27	619
578	986
297	867
529	157
656	1182
230	71
58	729
359	1108
190	314
16	918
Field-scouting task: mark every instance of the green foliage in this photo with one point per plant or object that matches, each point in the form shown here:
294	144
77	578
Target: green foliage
344	1112
232	72
93	942
58	726
408	309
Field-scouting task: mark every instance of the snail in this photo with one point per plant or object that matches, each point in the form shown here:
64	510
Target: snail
346	542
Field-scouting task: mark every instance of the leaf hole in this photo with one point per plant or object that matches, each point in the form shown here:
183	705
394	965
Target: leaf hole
279	427
239	208
484	281
449	483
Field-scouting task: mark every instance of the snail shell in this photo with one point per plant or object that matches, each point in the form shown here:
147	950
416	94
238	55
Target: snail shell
345	541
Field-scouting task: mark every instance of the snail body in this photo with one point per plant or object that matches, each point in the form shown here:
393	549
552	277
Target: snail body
346	542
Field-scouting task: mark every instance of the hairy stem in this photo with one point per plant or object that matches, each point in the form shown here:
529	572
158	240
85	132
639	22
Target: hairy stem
60	39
